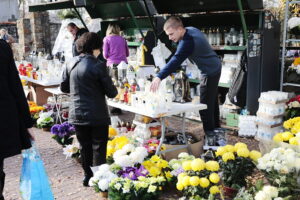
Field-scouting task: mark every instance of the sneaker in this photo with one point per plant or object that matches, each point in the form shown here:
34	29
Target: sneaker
220	136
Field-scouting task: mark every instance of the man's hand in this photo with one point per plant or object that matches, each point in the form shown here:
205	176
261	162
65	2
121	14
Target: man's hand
30	132
155	84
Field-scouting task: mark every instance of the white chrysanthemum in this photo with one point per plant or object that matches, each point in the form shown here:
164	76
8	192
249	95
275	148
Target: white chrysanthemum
142	150
93	181
128	148
123	161
118	153
183	155
118	186
271	191
103	184
262	196
104	168
136	157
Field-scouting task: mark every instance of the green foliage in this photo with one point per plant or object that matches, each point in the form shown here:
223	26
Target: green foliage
234	172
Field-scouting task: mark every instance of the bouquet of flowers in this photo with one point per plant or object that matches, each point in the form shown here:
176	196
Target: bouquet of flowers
45	120
158	167
129	155
151	146
293	107
62	133
236	163
176	164
101	179
145	188
281	167
114	145
199	179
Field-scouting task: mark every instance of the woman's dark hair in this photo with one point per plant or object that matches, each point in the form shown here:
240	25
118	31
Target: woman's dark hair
88	42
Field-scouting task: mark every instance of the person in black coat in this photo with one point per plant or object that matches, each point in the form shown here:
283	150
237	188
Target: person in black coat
87	80
15	119
76	32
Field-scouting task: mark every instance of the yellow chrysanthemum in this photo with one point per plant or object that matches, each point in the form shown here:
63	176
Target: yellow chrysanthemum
239	145
255	155
229	148
186	165
185	181
228	156
179	186
214	178
204	182
155	158
212	165
278	137
220	151
194	180
214	190
294	141
243	152
181	176
197	164
286	136
154	171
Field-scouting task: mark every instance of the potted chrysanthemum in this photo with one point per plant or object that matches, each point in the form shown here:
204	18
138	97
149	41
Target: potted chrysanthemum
236	163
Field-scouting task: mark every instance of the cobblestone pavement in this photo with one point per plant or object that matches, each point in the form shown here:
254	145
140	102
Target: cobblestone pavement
66	174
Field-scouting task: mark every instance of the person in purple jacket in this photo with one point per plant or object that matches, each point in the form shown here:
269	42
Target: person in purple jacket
115	50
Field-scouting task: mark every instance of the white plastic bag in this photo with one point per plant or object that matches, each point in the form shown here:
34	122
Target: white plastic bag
160	53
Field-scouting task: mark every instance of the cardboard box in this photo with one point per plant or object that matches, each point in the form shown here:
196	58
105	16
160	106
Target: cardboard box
196	148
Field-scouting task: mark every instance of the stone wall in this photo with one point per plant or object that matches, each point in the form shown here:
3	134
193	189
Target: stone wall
36	33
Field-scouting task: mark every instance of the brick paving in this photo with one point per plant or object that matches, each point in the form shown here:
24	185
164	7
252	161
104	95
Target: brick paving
66	174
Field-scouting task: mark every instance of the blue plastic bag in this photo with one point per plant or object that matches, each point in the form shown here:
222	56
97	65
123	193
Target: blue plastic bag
34	183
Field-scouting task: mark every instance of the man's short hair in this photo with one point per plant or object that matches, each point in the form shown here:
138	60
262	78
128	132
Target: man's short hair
173	22
71	24
88	42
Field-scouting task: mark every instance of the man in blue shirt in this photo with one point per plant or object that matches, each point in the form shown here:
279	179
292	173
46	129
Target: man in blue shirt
194	46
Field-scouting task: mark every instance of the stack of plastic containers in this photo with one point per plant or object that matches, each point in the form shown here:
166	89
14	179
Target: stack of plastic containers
270	113
247	126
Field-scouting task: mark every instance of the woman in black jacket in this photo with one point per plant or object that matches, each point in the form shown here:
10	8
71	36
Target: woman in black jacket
15	119
87	80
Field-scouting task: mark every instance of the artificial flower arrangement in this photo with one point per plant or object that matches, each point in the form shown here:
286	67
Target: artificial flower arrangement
199	180
62	133
281	167
293	107
236	163
151	146
45	120
72	150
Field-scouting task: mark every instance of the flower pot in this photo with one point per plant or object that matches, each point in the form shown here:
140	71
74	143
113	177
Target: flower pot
229	192
103	194
47	129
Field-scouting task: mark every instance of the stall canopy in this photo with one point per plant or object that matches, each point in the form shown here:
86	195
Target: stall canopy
115	9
